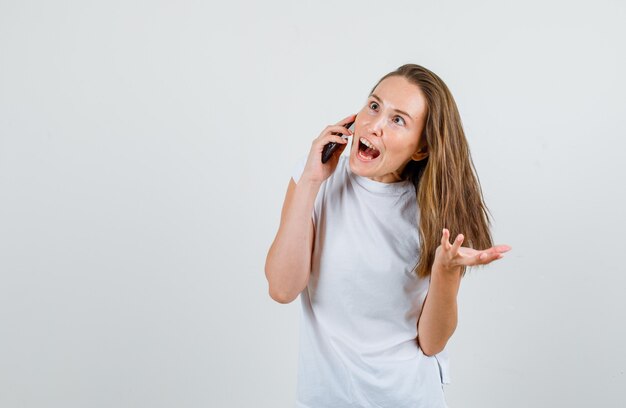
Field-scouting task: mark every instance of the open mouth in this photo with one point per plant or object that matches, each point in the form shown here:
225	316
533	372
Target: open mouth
367	151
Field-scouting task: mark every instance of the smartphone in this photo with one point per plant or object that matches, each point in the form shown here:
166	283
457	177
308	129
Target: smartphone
330	148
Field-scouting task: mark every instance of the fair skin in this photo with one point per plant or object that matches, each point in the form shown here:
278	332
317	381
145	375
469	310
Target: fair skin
397	137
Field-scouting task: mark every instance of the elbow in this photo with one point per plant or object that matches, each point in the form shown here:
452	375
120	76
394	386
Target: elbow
278	290
430	348
276	295
281	298
429	352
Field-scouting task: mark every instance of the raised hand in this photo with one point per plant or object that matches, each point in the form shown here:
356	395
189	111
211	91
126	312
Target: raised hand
315	170
450	257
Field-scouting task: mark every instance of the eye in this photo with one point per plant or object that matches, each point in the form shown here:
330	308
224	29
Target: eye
373	103
402	119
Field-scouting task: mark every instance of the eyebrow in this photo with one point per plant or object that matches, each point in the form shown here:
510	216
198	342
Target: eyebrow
396	110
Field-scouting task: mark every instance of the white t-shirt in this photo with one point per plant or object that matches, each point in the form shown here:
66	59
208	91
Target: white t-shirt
359	311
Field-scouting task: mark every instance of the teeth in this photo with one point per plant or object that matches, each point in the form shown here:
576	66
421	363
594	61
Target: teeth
367	143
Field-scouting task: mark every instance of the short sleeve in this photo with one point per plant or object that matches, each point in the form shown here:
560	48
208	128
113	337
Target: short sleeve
298	168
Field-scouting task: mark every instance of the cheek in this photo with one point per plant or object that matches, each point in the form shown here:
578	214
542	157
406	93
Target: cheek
361	119
355	142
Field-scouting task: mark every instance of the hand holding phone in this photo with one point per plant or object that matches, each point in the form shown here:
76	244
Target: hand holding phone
330	148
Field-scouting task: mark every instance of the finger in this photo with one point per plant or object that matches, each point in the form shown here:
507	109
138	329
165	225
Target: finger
323	141
502	248
337	129
498	248
338	139
488	256
342	147
347	119
457	243
445	239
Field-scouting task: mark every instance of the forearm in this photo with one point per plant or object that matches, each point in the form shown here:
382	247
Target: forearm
439	313
288	262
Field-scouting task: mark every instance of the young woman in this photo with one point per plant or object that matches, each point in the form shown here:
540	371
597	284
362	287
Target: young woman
365	241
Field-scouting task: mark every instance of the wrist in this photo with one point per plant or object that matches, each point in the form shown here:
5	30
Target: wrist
446	271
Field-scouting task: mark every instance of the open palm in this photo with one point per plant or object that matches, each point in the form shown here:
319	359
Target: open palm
451	256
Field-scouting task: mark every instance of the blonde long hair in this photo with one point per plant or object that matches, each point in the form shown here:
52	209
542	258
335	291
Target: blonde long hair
447	186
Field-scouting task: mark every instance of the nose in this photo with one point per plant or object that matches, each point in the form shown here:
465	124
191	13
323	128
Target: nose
375	126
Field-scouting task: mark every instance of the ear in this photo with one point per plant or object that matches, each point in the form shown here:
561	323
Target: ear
421	154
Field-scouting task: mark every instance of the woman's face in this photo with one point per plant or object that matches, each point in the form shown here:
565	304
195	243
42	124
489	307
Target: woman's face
391	122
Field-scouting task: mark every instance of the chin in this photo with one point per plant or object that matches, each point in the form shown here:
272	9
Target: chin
360	168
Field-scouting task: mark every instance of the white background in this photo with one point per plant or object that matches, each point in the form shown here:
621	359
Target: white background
146	147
